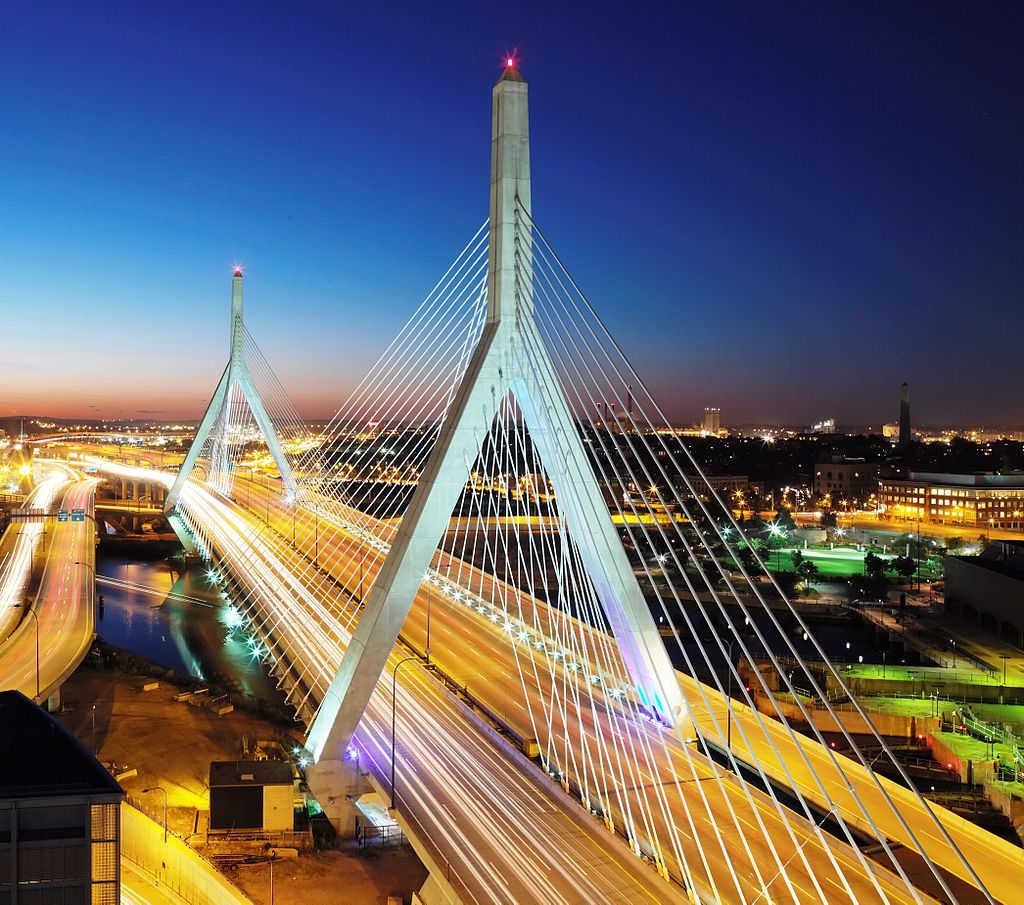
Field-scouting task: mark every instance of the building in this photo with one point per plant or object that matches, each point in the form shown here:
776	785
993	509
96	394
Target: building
712	422
845	479
972	500
825	426
60	813
989	589
254	795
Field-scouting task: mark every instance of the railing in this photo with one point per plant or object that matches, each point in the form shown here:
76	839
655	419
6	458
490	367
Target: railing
371	834
987	732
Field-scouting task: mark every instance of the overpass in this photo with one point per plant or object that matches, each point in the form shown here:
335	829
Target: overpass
54	631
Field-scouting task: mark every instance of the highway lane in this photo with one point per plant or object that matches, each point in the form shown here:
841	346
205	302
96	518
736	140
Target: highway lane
21	540
63	606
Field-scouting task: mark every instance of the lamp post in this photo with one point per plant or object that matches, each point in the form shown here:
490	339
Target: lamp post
362	556
160	789
394	710
92	569
428	622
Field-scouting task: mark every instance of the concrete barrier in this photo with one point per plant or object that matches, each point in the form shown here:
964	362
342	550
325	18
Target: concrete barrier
172	863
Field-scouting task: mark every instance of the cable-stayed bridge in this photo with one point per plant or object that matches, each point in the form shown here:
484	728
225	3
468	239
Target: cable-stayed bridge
461	587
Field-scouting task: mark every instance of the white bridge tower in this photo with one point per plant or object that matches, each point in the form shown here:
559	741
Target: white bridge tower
236	376
509	358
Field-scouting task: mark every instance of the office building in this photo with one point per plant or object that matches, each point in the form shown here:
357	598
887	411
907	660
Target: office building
973	500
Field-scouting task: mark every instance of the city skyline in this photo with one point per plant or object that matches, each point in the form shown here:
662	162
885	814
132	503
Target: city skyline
705	246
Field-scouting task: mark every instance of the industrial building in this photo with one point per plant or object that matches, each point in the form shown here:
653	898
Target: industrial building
254	795
989	589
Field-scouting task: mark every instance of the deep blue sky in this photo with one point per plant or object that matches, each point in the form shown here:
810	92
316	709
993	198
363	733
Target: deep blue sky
782	211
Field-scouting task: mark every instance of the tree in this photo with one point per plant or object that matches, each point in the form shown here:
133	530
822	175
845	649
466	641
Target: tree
749	561
808	572
904	566
798	559
829	520
874	566
784	518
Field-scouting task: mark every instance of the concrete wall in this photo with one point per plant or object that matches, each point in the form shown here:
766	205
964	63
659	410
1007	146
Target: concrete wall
173	863
977	593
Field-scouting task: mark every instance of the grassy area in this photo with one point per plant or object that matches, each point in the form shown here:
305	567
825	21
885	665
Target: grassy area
841	562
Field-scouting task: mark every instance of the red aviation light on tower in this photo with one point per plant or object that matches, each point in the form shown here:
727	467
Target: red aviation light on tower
236	271
512	59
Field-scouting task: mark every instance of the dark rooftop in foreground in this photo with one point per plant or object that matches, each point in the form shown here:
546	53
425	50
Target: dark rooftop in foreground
39	757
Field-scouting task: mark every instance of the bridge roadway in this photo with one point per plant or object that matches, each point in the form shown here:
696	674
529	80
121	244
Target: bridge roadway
503	837
500	688
63	605
470	647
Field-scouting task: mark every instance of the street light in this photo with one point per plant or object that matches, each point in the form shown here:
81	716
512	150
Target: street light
93	570
427	576
394	708
160	789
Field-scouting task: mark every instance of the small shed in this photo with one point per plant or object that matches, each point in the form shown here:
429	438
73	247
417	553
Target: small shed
252	795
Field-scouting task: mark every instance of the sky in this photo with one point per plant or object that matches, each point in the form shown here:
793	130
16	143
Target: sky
784	210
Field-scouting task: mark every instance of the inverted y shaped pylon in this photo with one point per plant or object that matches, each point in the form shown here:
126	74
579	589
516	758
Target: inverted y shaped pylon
509	358
236	375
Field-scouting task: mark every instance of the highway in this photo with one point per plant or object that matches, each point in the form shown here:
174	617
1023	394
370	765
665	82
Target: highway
477	653
63	604
463	649
479	807
21	540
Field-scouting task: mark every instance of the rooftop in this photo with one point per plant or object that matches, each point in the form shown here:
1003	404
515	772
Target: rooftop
975	479
250	773
39	757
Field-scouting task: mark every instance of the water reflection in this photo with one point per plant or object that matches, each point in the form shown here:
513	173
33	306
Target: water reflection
187	623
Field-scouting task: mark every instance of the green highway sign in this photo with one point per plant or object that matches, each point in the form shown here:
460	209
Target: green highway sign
62	515
77	515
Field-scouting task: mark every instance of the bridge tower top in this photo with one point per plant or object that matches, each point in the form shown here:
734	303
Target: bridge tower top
236	375
237	322
510	186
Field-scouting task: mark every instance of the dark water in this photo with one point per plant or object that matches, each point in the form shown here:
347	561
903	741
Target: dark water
202	636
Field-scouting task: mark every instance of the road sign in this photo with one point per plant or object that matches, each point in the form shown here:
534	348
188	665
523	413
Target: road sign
62	515
78	515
